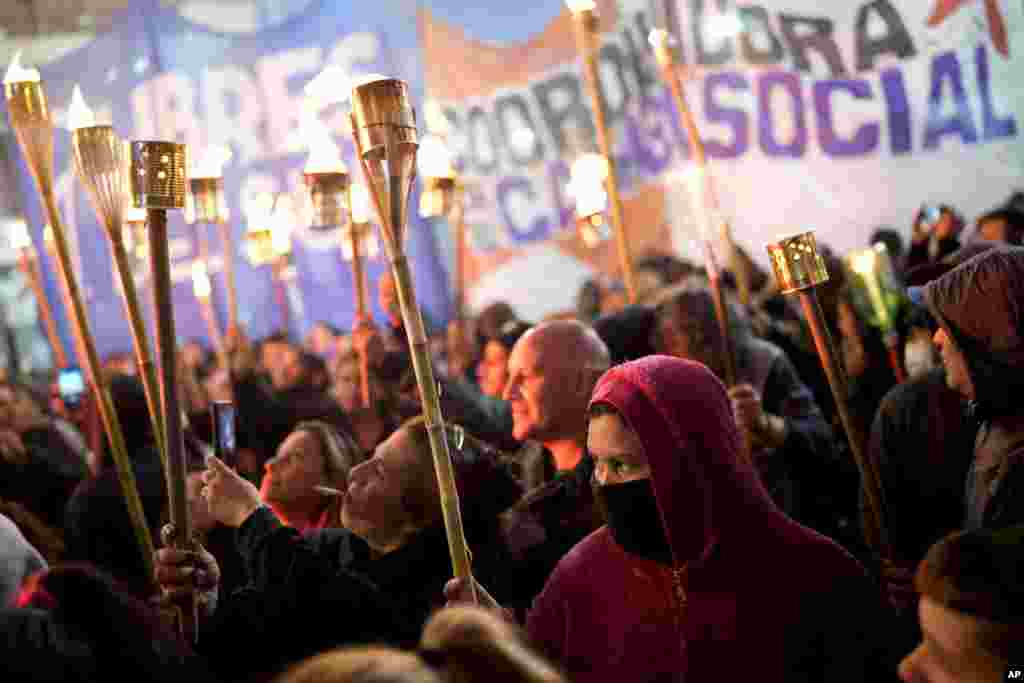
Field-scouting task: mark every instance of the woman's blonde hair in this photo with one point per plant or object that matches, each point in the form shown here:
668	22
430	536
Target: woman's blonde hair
474	644
362	665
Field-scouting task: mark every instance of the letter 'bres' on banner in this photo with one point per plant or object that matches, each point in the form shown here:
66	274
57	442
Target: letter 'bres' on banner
837	117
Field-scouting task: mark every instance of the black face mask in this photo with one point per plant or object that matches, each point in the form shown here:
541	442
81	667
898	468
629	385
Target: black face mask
634	519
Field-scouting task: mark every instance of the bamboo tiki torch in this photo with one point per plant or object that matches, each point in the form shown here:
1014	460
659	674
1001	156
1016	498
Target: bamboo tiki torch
588	182
228	252
384	128
358	242
158	177
28	264
700	188
100	163
206	206
30	116
266	244
872	267
330	186
800	269
588	43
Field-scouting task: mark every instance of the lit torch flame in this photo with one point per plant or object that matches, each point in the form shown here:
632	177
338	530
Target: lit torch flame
201	281
586	184
576	6
16	73
80	114
324	155
435	161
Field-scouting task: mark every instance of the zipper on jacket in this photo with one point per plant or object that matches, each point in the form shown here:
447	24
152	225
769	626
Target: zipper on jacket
678	597
678	589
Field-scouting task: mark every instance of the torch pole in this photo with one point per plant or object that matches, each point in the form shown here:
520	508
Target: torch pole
461	251
874	531
362	316
143	354
158	181
382	117
666	60
210	318
280	265
104	403
30	117
30	268
65	297
180	534
433	419
799	269
587	43
229	273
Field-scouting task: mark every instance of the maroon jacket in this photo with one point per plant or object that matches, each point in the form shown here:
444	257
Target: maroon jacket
765	598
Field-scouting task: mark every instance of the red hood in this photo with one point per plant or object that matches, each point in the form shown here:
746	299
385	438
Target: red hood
684	419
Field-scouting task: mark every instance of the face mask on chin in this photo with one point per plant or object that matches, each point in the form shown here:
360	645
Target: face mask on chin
634	519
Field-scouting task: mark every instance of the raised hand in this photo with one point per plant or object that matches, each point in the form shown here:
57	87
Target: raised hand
231	498
181	572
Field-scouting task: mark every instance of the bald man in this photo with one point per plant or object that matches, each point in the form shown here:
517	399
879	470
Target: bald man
553	369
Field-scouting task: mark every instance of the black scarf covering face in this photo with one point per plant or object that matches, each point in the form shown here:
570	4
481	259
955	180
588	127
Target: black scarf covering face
635	520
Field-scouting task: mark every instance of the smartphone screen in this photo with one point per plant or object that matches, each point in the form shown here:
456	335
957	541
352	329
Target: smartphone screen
224	445
71	385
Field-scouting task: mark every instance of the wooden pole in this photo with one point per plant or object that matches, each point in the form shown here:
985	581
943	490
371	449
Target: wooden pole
799	269
875	526
147	369
461	251
181	523
587	42
362	306
104	403
382	117
30	117
29	266
281	292
65	297
228	252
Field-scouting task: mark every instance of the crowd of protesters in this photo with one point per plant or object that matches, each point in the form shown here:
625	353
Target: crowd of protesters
630	517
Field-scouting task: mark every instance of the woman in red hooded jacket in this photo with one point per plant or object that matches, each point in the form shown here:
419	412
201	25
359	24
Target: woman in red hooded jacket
697	576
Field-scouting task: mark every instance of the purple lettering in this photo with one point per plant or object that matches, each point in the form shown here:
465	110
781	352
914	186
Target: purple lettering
946	67
735	118
770	144
864	140
898	108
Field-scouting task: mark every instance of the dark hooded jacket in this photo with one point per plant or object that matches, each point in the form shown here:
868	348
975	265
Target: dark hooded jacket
762	593
628	332
980	305
921	442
